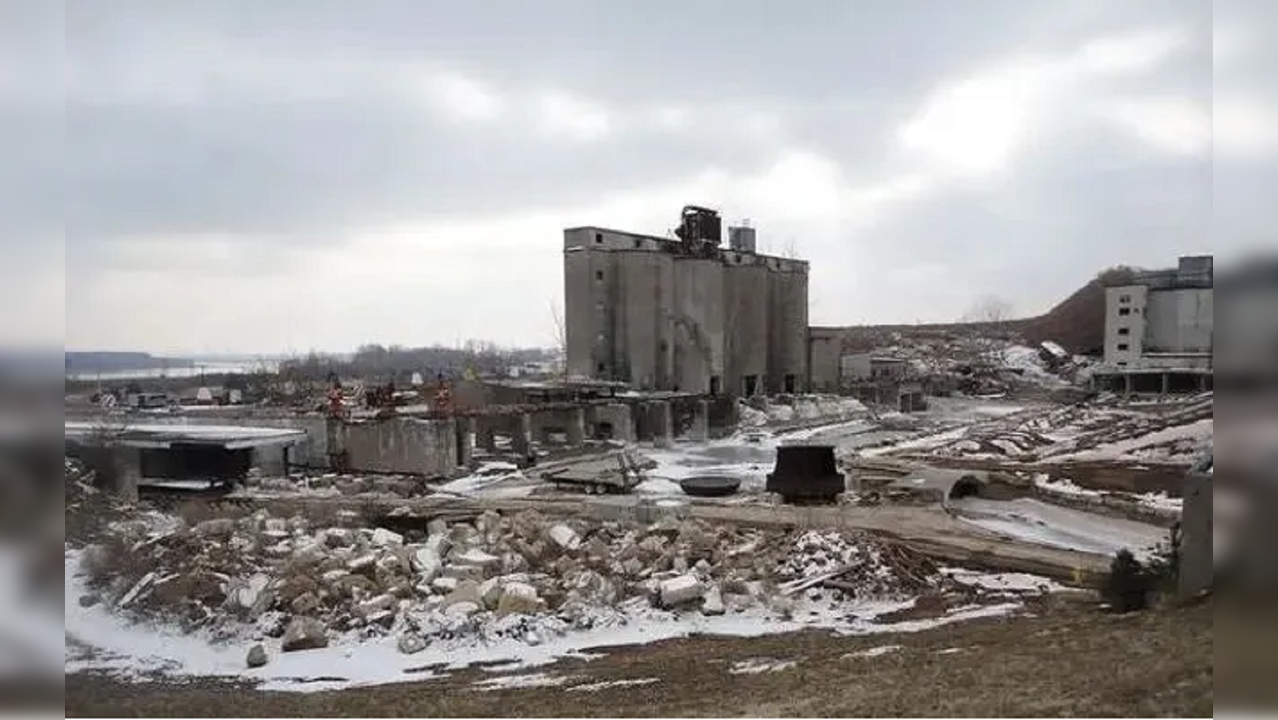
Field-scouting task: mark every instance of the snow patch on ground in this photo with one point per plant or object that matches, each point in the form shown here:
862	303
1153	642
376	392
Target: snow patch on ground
756	666
872	652
511	682
1063	486
1047	524
485	477
1016	582
1161	502
605	684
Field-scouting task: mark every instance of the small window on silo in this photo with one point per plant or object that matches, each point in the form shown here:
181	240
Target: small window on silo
599	275
638	243
599	238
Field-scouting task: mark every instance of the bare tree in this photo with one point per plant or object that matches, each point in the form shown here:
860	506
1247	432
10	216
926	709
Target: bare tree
790	250
988	309
561	335
988	317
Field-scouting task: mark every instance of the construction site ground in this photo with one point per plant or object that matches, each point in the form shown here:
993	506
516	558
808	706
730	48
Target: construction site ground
1066	658
928	529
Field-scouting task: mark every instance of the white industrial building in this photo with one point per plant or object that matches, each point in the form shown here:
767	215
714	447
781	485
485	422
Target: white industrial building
1159	330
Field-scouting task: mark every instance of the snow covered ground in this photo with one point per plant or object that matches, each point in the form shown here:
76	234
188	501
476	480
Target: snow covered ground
1046	524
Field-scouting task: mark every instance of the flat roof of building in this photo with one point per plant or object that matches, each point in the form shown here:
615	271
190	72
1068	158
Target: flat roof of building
677	241
231	437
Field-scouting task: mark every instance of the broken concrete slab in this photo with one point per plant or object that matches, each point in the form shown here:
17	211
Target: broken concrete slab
680	590
304	633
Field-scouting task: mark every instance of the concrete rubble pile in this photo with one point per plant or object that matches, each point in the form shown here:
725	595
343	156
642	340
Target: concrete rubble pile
523	576
338	484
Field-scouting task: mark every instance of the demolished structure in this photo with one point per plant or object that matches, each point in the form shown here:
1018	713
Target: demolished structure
685	314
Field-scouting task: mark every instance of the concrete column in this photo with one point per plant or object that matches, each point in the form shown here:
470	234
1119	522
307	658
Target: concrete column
521	433
541	428
1196	561
335	442
127	472
576	426
1166	383
700	431
465	429
487	436
271	461
1127	383
622	418
662	421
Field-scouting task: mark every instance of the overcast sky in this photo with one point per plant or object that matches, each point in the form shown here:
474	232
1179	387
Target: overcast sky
295	174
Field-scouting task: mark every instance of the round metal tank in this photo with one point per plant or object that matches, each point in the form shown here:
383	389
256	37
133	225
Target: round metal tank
710	485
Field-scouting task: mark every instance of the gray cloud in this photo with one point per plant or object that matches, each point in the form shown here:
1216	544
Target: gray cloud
295	127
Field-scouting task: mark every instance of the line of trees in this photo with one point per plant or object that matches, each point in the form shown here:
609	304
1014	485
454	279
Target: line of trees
397	363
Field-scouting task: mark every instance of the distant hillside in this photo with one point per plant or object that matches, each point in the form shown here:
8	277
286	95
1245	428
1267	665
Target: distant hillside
1077	323
105	362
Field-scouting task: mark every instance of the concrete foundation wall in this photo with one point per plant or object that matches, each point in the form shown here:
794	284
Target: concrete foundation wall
1179	321
400	445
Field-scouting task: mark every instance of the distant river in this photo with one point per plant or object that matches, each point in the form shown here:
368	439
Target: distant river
212	367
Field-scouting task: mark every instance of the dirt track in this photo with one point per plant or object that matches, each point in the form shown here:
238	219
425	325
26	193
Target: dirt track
1071	660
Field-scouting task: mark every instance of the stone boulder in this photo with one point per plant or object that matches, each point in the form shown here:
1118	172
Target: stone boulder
386	538
304	633
427	563
410	643
216	528
680	590
256	656
565	537
517	597
712	602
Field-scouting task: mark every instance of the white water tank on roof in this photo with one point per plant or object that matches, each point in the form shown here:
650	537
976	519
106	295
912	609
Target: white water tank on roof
741	239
